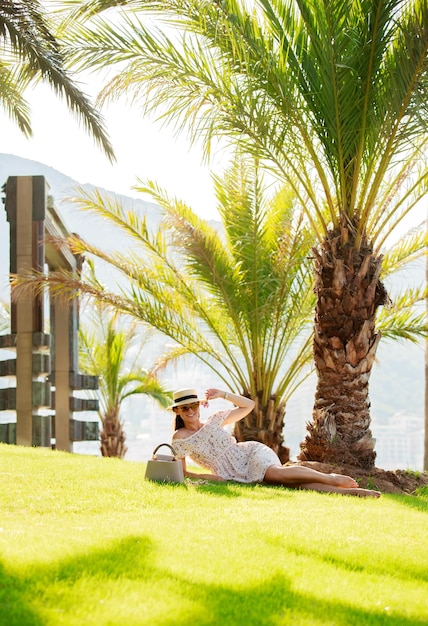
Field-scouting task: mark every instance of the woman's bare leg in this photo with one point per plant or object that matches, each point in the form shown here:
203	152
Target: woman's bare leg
301	477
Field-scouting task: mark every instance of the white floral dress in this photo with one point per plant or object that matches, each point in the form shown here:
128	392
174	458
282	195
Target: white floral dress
214	448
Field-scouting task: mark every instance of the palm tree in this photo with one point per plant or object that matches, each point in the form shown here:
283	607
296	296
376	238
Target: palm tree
238	298
105	346
30	52
332	96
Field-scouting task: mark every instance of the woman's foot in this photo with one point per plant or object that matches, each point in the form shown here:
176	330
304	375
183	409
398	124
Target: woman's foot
350	487
340	480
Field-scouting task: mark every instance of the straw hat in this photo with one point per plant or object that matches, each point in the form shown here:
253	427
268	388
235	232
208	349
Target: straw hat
185	396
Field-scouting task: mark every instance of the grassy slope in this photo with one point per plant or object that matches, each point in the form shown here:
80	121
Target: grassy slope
85	541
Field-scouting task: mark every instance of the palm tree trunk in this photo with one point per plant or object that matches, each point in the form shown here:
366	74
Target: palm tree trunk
113	436
345	342
265	424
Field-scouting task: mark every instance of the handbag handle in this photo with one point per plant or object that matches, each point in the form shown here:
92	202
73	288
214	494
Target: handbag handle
160	446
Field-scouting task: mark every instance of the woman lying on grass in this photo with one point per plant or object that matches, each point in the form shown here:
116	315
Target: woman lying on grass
211	446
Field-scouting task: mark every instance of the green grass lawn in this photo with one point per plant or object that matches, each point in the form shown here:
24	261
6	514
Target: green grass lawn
86	541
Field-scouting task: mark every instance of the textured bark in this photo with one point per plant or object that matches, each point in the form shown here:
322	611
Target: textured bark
345	342
113	436
265	424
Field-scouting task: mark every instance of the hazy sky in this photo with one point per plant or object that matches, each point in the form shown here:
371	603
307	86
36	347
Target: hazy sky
144	149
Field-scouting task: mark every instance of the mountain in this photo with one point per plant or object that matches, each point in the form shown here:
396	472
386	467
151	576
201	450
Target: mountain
397	380
11	165
61	187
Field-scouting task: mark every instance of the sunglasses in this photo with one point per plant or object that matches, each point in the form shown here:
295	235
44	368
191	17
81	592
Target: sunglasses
188	407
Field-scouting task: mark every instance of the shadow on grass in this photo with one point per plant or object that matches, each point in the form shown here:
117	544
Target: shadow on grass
225	490
14	607
395	571
418	502
275	602
58	587
127	558
231	489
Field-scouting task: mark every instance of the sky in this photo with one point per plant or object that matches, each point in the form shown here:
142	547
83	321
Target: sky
144	149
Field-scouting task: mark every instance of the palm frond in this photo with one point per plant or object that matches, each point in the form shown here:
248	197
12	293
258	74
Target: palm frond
412	246
32	53
330	96
11	99
105	343
238	298
406	319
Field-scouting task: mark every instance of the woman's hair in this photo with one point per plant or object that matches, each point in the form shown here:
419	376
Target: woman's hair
178	422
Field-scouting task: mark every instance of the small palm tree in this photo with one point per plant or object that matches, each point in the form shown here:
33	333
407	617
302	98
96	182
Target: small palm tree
105	346
30	52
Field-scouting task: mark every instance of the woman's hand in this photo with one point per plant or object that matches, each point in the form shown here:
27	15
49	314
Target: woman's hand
212	394
243	405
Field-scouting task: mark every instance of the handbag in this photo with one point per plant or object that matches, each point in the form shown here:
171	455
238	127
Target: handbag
164	467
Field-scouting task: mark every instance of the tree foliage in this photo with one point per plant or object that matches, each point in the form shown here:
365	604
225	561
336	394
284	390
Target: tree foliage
30	52
333	97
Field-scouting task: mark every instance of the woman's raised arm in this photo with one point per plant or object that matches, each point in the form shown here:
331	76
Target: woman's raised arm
243	405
